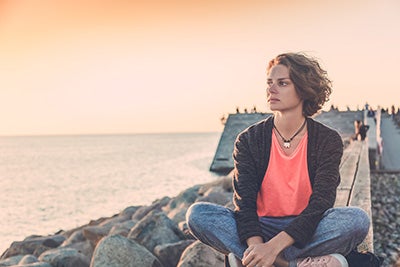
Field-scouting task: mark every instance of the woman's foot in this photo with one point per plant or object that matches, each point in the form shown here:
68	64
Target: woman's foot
331	260
234	261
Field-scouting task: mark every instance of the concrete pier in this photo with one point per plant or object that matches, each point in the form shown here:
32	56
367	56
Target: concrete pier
236	123
342	121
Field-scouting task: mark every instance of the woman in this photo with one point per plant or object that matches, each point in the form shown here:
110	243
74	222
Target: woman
286	173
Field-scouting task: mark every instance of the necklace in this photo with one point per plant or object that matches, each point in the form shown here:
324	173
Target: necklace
286	142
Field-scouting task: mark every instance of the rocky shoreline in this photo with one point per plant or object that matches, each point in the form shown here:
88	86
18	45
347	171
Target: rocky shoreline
385	198
156	235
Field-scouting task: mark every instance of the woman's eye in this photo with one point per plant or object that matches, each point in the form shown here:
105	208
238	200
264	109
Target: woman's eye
282	83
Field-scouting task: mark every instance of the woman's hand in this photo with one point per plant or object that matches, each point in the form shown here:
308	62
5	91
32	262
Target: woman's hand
260	255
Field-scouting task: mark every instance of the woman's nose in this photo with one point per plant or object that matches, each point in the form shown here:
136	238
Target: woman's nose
271	88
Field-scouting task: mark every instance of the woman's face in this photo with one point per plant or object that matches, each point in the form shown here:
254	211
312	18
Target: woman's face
281	93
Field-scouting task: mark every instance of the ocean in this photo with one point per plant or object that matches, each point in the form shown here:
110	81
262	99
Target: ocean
52	183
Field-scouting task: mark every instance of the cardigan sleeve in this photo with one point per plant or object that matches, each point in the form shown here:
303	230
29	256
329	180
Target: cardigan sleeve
328	155
246	188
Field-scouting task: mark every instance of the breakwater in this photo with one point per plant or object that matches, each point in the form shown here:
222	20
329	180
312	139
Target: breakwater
149	235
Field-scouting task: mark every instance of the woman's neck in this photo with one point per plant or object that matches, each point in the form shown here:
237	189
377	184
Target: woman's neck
288	123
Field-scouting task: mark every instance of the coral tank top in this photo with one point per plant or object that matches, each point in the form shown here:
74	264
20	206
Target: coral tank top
286	188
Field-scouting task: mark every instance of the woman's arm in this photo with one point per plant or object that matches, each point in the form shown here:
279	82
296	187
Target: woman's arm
246	187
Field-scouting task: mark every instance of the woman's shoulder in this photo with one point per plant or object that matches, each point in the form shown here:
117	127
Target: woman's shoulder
323	132
258	127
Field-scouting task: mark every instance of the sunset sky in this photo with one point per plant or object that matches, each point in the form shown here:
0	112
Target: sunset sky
114	66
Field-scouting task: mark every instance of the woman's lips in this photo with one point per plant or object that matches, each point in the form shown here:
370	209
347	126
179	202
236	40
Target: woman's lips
272	100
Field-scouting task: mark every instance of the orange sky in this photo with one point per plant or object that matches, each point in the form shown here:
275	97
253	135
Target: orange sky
77	67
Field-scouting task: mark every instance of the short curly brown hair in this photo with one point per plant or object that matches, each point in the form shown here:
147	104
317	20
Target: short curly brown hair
310	80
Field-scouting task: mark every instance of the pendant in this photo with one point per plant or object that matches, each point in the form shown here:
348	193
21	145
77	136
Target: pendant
286	144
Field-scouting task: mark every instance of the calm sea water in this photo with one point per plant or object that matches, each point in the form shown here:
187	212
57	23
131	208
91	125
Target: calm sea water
50	183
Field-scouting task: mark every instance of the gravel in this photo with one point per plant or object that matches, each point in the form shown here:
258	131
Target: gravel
385	194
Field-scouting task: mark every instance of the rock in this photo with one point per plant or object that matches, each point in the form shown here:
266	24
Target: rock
122	228
156	229
144	210
201	255
95	233
35	264
118	251
27	259
184	199
217	197
30	244
84	247
13	260
110	222
75	237
129	211
65	257
225	183
385	192
176	208
178	214
40	249
169	254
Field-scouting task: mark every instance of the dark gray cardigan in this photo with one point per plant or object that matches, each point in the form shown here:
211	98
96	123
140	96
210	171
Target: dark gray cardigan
251	157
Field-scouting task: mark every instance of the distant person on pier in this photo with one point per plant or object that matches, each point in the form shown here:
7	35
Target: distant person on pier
393	112
223	119
371	113
286	172
360	130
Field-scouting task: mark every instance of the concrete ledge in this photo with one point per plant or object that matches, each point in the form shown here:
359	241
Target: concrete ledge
355	186
223	161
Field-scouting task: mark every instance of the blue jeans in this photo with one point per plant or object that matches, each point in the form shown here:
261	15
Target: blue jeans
339	231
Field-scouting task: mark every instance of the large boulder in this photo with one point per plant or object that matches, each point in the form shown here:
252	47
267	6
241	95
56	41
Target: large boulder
201	255
156	229
118	251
